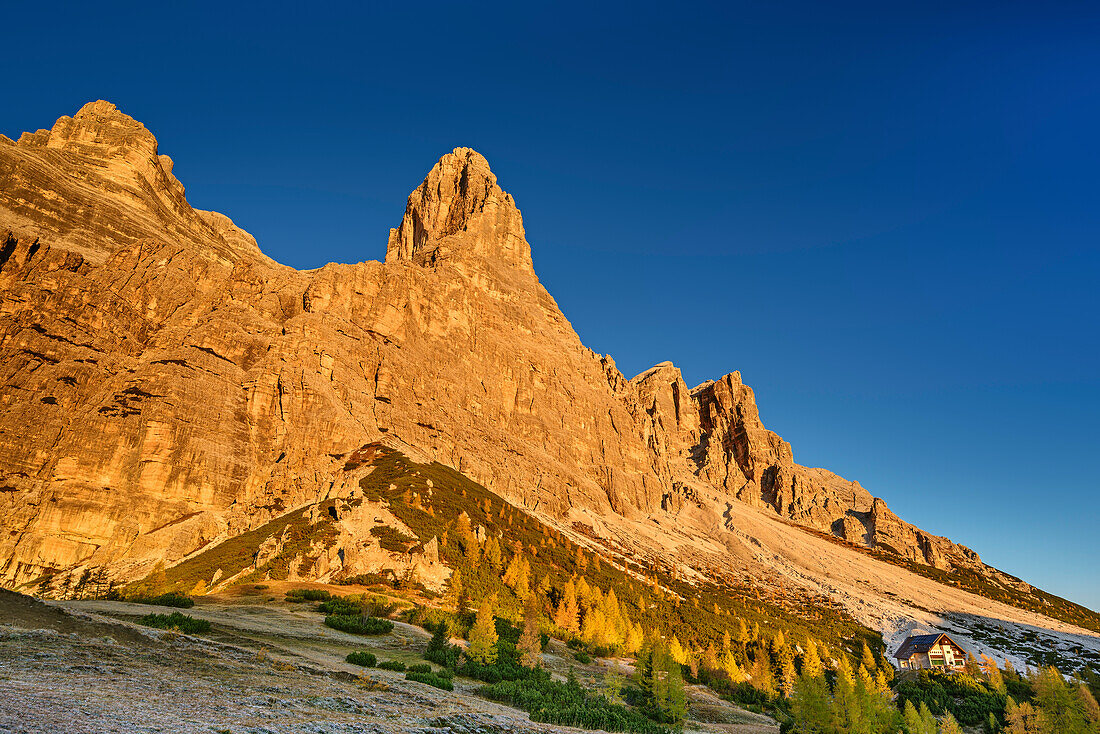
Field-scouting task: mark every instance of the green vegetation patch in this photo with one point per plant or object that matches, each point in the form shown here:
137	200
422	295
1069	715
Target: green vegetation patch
431	679
358	624
236	554
360	657
300	595
176	621
569	704
356	604
171	599
394	540
395	665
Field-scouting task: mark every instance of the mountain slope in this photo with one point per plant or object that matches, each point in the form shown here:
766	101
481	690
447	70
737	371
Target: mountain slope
165	387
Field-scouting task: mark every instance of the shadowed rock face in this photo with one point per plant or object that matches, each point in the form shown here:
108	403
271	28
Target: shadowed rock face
165	386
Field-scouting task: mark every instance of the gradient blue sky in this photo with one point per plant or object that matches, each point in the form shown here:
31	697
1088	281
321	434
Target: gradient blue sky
884	214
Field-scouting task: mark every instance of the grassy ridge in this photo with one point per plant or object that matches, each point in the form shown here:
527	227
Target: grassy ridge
238	553
696	614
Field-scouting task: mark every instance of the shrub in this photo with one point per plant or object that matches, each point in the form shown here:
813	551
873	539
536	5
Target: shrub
175	621
359	657
374	606
432	680
171	599
365	579
568	704
339	605
745	694
299	595
357	624
419	668
395	665
506	667
969	700
440	650
430	618
392	539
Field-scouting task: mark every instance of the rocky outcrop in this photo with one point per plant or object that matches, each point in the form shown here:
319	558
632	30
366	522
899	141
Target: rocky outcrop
713	433
164	385
459	214
95	184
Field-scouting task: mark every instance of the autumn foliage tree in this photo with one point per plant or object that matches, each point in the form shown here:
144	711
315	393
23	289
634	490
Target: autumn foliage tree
483	635
529	646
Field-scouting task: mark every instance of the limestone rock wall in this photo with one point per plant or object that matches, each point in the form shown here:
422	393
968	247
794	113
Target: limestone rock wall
164	385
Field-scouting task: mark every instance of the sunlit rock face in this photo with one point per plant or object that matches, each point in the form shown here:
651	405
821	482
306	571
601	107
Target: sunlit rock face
165	386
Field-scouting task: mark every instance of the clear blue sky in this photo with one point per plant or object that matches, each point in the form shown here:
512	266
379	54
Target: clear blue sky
886	215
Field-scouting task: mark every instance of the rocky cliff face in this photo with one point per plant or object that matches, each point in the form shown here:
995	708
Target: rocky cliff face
713	433
165	386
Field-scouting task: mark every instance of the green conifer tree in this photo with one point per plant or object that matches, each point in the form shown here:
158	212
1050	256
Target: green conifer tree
483	636
612	687
910	719
677	698
1062	710
928	721
811	705
847	711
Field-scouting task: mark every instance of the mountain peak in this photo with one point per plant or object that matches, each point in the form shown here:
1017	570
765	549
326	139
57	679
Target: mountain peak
99	129
136	192
459	214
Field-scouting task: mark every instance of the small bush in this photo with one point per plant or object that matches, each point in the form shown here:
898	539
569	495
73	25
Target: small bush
440	650
395	665
746	695
969	700
357	624
432	679
359	657
568	704
365	579
430	618
392	539
299	595
374	606
506	668
582	657
419	668
171	599
175	621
